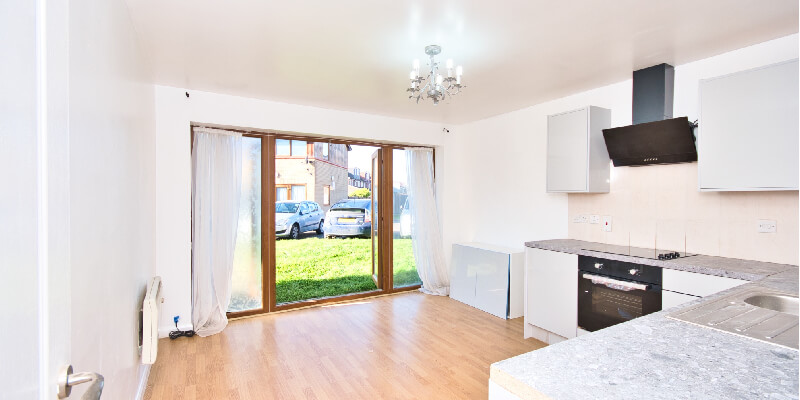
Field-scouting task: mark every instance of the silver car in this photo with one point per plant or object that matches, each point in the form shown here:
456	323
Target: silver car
349	218
295	217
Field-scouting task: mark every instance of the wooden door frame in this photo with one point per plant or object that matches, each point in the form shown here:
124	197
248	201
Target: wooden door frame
376	163
268	195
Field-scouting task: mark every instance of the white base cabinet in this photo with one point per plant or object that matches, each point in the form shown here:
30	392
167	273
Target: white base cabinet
497	392
681	287
694	284
674	299
551	297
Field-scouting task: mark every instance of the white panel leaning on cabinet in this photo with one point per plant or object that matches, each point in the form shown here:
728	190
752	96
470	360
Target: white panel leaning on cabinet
748	133
489	278
551	295
577	159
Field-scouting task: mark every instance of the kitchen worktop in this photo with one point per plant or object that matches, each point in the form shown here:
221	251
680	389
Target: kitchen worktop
657	357
719	266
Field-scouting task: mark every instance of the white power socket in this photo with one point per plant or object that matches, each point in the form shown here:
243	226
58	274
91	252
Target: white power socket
580	219
767	226
594	219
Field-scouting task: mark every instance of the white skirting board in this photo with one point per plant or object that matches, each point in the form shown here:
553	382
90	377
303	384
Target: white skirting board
144	375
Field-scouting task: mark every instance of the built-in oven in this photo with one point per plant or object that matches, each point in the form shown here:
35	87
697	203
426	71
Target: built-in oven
611	292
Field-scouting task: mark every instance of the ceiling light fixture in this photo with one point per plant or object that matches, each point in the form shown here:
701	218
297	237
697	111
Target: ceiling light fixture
436	86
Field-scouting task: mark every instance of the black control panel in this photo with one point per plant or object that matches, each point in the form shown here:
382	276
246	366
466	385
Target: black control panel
620	269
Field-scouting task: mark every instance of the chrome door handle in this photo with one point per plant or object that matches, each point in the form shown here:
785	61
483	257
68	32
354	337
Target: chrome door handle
66	380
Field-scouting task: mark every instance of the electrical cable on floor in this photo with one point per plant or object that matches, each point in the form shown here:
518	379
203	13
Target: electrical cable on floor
177	332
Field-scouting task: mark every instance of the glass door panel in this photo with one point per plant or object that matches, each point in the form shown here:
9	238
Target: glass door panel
323	226
404	269
246	282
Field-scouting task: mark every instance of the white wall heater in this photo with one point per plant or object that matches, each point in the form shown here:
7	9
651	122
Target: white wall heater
148	330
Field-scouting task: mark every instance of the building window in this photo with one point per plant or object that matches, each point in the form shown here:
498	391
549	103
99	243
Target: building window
290	192
281	193
298	192
325	150
299	148
283	147
326	195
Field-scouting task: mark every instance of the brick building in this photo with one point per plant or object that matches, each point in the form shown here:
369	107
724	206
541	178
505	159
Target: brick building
358	179
314	171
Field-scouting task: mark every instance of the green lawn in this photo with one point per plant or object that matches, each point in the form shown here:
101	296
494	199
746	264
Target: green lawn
311	268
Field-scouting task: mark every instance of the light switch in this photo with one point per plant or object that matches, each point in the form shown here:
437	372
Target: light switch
606	227
594	219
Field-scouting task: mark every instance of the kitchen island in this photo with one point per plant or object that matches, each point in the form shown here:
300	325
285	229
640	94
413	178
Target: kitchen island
657	357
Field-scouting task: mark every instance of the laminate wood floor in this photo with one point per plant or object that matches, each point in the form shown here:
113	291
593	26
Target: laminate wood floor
405	346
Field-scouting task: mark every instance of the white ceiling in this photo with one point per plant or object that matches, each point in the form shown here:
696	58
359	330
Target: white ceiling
356	55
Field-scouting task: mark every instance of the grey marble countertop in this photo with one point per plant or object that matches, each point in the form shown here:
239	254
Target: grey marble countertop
709	265
656	357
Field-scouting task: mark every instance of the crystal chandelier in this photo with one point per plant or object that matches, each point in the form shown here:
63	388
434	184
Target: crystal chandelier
436	87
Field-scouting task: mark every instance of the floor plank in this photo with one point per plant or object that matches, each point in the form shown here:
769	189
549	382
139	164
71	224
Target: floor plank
405	346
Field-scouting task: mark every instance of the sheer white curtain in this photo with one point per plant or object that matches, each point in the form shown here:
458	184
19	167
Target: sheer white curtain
426	235
216	187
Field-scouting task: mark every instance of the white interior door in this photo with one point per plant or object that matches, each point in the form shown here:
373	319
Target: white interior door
34	201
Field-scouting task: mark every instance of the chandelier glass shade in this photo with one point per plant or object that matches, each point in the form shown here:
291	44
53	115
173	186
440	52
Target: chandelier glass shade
435	86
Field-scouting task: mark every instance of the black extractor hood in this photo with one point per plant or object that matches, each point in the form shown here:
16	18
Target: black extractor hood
655	137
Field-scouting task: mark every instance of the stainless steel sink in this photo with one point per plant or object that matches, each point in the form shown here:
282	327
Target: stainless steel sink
761	314
784	304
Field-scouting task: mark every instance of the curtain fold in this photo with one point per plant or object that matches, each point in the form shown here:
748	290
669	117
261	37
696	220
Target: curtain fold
426	234
216	188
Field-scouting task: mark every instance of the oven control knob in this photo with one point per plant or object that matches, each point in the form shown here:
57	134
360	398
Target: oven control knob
598	265
633	271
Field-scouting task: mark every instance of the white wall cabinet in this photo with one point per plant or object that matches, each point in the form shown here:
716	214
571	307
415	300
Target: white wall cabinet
748	133
577	159
489	278
551	295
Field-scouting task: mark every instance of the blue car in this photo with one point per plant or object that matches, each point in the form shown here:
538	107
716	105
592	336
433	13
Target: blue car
349	218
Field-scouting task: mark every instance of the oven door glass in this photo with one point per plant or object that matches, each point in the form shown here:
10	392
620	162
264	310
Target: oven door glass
602	303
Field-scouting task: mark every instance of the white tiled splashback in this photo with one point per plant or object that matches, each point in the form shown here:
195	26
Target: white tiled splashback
660	205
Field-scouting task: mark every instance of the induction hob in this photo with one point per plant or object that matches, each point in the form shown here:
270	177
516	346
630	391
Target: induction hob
653	254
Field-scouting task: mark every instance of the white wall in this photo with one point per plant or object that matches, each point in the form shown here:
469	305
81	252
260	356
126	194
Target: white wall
174	114
660	205
34	205
496	189
112	192
18	200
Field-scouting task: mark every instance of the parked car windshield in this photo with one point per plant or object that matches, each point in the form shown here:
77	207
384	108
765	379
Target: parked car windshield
365	204
281	207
